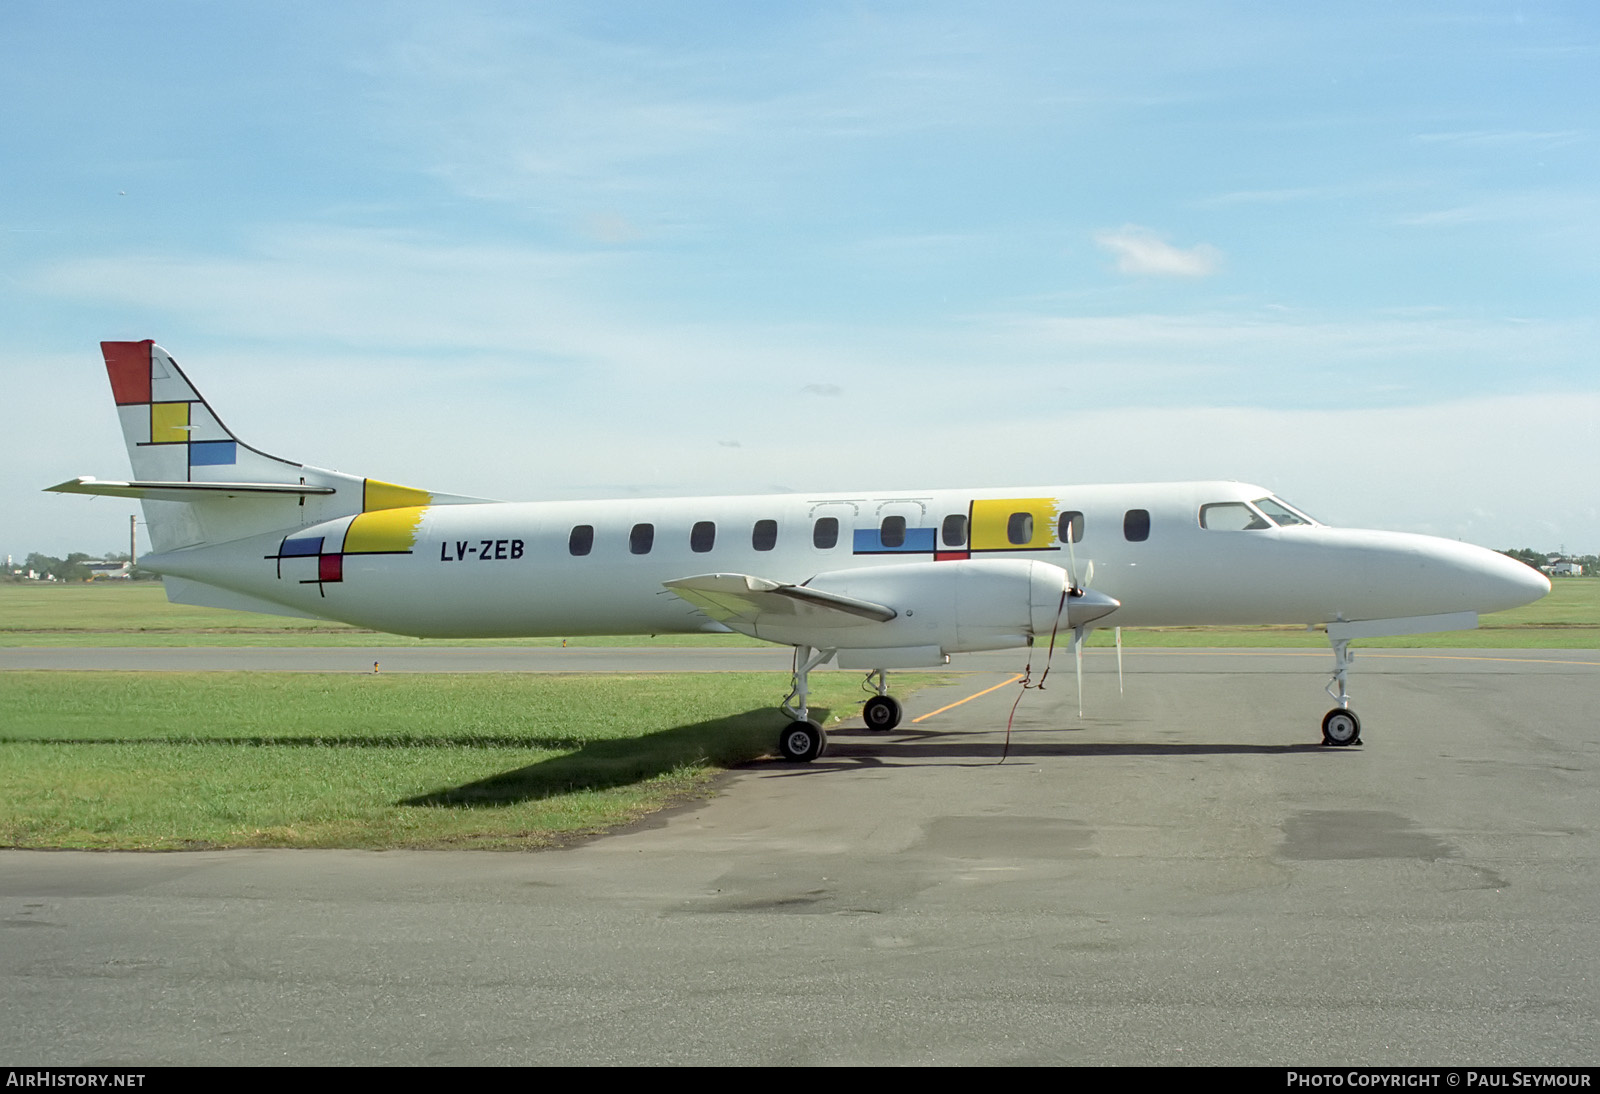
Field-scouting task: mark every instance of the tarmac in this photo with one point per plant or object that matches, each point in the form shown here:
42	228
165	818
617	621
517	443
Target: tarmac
1182	876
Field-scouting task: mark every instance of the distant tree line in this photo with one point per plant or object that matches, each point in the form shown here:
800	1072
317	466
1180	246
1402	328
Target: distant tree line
1540	559
72	568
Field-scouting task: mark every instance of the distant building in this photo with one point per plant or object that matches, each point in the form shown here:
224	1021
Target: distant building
101	570
1564	569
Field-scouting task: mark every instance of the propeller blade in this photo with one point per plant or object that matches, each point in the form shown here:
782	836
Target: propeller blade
1077	649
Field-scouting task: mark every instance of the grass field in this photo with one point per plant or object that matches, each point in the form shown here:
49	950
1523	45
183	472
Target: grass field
122	614
197	760
189	760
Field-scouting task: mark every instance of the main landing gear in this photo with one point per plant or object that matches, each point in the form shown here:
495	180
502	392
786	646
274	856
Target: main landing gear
1340	726
802	740
881	712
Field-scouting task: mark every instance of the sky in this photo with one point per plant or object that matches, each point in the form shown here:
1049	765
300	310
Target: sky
1350	252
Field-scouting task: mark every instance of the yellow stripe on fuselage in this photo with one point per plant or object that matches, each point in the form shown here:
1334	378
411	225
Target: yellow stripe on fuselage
991	519
385	531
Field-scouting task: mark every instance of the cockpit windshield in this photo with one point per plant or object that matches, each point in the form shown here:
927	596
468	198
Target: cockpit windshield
1232	516
1282	512
1239	516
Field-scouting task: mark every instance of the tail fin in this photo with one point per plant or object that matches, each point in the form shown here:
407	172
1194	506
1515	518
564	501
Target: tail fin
198	482
172	433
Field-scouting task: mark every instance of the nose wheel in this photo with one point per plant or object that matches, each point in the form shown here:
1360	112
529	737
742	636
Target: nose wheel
1341	728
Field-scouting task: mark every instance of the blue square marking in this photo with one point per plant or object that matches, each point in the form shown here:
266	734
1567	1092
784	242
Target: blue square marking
212	453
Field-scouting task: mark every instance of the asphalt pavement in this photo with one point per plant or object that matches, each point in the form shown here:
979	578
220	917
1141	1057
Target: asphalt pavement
1183	875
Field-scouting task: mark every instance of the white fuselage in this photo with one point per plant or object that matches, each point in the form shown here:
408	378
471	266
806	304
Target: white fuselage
520	569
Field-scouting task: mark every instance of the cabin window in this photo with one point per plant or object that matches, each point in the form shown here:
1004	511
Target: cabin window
954	530
764	536
1069	528
703	536
893	531
642	538
1019	529
825	533
581	542
1231	516
1136	525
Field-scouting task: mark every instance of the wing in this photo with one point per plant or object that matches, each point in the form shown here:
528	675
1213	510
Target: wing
751	605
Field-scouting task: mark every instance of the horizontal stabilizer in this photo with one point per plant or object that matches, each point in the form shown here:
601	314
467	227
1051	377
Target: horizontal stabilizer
182	491
746	604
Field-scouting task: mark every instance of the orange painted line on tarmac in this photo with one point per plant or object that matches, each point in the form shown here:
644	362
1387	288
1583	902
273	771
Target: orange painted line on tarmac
968	699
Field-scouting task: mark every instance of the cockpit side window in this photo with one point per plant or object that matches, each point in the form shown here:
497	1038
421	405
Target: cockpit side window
1232	516
1285	515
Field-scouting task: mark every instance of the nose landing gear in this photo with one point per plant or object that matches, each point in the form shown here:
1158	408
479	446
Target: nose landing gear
1340	726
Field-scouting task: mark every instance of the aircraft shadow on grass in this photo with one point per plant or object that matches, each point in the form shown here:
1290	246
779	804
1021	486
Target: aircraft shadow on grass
607	764
736	739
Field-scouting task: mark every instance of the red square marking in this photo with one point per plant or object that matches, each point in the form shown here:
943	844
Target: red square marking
128	365
330	568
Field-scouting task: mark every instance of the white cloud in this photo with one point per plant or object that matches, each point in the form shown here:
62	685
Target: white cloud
1141	251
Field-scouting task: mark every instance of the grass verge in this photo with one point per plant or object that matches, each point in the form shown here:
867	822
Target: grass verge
207	760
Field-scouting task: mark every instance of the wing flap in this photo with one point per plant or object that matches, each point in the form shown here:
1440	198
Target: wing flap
750	604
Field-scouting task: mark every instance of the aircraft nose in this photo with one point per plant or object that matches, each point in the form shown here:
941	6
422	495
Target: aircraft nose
1427	575
1513	583
1497	581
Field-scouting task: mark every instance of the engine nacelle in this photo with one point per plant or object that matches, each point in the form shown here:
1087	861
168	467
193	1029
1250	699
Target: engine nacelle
956	607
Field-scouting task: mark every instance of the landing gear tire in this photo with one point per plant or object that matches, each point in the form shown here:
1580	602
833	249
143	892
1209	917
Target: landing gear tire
802	742
1341	728
881	712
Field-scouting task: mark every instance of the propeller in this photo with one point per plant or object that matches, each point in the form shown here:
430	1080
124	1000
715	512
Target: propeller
1080	606
1077	653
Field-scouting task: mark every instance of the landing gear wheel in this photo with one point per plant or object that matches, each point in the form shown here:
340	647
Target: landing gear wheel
1340	728
881	712
801	742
